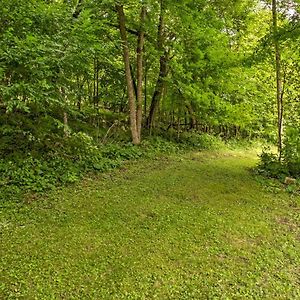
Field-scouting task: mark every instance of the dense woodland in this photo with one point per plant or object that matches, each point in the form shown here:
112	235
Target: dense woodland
150	149
82	80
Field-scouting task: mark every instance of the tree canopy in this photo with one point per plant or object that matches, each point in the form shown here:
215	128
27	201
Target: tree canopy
147	67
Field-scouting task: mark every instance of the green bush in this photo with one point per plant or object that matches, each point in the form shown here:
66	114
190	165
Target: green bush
202	141
270	166
155	145
290	164
293	168
291	151
66	160
121	152
65	163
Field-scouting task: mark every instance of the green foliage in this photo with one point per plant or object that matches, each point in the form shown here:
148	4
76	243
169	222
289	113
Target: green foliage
270	166
202	141
291	151
70	158
60	59
121	152
65	163
160	145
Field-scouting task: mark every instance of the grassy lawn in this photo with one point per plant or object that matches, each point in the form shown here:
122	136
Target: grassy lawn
198	226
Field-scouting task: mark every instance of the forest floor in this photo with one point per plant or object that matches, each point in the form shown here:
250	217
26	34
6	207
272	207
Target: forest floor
195	226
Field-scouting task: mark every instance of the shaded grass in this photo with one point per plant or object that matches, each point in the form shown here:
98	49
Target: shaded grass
197	226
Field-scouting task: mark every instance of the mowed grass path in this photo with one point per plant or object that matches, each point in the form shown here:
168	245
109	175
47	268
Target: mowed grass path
198	226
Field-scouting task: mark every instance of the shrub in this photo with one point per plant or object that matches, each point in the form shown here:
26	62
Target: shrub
270	166
121	151
202	141
290	164
291	151
66	159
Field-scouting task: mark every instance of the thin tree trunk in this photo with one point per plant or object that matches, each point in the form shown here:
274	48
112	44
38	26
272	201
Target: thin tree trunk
163	70
65	114
66	125
133	81
279	90
130	88
145	89
80	86
121	106
158	92
140	48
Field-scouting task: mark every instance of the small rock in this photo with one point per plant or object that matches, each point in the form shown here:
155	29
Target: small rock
289	180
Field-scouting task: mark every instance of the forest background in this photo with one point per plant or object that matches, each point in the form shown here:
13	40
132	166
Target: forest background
86	84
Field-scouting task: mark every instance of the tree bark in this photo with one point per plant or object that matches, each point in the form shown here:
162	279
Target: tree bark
163	68
279	89
130	87
133	81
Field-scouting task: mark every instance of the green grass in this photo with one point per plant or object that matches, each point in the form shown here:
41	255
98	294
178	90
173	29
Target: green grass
198	226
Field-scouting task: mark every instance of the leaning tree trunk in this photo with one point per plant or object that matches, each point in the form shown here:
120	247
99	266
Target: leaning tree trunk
159	88
163	69
130	87
279	89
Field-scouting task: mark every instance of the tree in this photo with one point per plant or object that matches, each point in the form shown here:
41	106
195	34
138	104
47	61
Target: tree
135	98
163	65
279	84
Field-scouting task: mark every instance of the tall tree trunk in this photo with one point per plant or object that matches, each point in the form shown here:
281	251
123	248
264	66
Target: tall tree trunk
140	47
130	88
279	89
163	70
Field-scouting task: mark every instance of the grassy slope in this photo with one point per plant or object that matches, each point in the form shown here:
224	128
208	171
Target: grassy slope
198	226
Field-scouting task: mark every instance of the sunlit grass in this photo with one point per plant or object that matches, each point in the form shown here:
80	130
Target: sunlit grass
197	226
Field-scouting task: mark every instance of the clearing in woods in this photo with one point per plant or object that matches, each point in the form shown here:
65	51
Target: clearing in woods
198	226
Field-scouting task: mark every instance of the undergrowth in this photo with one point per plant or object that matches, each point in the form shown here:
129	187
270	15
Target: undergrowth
278	175
68	159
